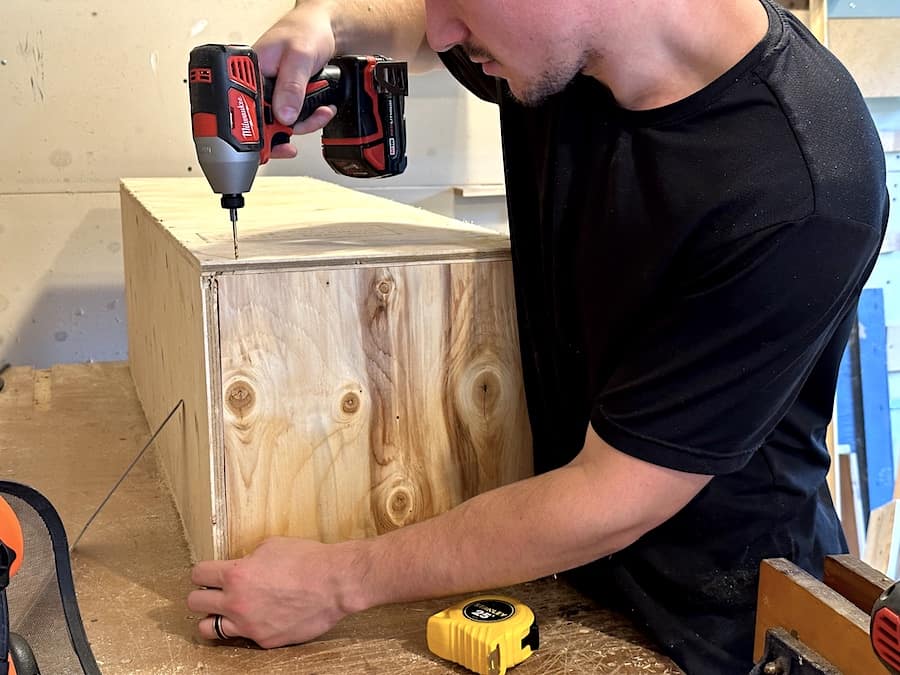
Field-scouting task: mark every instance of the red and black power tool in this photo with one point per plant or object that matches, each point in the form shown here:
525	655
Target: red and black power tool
884	629
235	129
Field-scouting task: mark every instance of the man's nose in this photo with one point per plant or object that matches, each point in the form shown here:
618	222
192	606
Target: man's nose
442	28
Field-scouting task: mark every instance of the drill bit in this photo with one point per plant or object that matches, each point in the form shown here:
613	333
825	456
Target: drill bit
233	213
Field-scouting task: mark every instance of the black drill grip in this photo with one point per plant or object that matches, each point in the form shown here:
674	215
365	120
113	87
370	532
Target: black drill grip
324	88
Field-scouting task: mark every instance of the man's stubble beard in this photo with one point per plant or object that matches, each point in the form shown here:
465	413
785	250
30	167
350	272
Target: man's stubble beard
552	80
547	83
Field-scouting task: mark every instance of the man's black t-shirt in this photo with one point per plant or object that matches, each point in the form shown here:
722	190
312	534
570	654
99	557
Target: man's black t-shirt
686	280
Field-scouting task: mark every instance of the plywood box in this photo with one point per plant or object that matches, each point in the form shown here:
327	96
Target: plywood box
355	370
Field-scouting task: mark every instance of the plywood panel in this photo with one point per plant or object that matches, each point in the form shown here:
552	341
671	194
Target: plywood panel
367	399
355	370
870	49
170	331
292	222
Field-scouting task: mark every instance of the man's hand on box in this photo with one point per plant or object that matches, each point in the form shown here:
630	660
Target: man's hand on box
286	592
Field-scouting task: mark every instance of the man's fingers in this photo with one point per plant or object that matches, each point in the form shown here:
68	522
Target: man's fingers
206	601
284	151
294	72
319	118
210	573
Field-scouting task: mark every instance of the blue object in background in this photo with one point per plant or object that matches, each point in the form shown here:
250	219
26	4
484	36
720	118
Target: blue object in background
873	430
863	9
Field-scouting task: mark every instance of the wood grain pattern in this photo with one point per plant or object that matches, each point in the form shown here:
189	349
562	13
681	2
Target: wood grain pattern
132	569
367	399
850	507
357	371
170	339
294	222
834	469
882	549
817	21
817	615
855	580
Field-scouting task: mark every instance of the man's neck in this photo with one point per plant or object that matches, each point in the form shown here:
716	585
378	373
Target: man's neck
670	50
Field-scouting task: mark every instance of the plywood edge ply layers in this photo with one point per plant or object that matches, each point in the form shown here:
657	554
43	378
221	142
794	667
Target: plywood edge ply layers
171	329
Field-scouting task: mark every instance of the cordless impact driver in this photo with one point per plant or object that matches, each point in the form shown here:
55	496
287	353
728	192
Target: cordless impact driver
235	129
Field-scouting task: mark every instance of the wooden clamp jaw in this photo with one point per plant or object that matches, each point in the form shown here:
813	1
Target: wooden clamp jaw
830	617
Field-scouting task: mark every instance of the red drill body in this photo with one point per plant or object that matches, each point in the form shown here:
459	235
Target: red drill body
235	129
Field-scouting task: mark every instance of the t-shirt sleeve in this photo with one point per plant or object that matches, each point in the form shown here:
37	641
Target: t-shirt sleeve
470	75
723	358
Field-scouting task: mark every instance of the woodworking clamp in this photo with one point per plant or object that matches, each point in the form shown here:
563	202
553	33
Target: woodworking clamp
486	634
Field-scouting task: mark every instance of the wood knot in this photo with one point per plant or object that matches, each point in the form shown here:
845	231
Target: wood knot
396	503
240	397
400	506
487	388
385	286
350	403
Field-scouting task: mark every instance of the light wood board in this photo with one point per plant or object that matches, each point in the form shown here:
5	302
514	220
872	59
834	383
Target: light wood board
817	20
358	371
850	506
883	539
855	580
293	223
358	401
172	326
70	431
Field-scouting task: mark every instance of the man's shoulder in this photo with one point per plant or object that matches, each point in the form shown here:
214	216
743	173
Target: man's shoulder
828	115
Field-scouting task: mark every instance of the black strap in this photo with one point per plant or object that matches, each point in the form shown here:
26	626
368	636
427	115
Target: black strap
4	633
7	558
54	525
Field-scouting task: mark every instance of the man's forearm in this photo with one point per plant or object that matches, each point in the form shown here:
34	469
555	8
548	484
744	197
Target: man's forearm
532	528
513	534
395	28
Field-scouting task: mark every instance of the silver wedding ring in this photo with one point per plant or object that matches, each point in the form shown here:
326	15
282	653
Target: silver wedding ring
217	626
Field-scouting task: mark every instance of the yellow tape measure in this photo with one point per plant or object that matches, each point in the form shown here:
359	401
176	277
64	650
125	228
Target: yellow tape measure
486	634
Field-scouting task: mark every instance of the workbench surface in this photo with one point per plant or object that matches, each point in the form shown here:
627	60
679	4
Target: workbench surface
71	430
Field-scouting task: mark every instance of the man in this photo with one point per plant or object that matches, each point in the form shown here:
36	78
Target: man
696	196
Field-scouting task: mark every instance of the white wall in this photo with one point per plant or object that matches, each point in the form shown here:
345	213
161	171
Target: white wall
95	91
